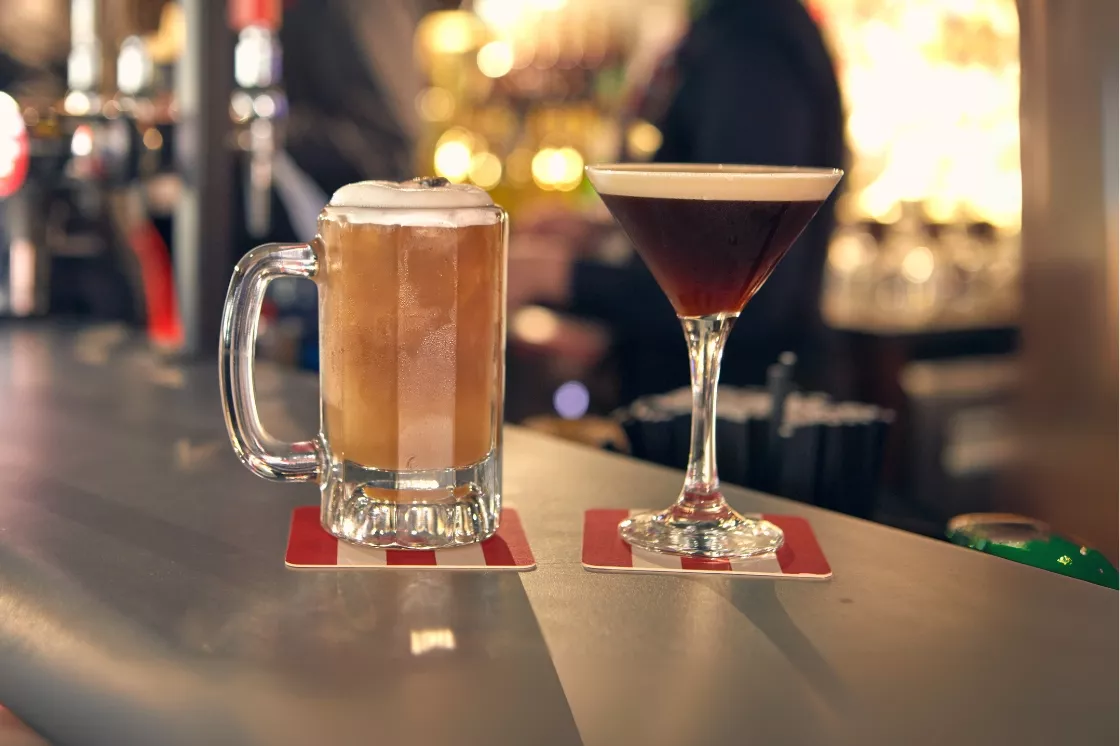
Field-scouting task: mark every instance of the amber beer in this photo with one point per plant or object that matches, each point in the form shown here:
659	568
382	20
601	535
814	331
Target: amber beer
411	281
411	320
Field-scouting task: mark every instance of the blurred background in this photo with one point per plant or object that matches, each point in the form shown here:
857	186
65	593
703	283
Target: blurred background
961	287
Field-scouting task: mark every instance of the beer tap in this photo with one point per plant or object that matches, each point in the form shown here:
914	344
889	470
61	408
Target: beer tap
147	185
258	103
18	271
84	220
58	145
84	65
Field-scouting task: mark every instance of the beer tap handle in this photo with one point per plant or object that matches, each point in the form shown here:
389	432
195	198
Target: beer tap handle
259	198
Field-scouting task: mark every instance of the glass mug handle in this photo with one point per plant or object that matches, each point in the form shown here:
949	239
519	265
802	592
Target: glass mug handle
263	454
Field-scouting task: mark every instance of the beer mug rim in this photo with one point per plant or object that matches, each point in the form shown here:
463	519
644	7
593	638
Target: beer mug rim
419	217
380	208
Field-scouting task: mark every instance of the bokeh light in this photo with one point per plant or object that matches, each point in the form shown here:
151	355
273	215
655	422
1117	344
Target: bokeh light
535	325
918	265
495	59
499	13
453	160
643	139
557	169
153	140
435	104
486	170
571	400
81	144
77	103
449	32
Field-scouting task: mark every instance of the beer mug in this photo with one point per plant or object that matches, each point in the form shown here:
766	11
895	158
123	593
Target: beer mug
411	281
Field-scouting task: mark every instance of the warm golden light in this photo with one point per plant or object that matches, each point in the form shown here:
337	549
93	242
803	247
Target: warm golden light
519	166
543	168
153	140
81	144
499	13
423	641
535	325
880	202
918	265
558	168
932	93
449	32
77	103
454	150
495	59
453	160
573	169
848	254
435	104
942	208
642	138
486	170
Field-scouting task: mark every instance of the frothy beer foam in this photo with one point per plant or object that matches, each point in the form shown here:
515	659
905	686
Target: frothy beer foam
420	202
715	182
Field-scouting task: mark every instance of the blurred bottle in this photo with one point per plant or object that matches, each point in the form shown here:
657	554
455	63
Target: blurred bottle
850	274
965	262
908	272
1031	542
1004	272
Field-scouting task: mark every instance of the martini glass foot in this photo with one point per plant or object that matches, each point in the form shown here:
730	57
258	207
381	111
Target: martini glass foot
719	534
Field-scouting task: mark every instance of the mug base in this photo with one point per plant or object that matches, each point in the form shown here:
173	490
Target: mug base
421	509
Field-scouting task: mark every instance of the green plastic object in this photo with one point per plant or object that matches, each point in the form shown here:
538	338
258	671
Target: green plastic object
1031	542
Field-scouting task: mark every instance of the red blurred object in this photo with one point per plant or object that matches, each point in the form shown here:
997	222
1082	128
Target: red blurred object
245	13
815	12
164	325
14	151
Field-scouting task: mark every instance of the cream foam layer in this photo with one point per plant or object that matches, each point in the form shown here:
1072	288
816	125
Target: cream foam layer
413	203
715	182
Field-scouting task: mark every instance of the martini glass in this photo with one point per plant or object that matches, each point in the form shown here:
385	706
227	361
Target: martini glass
711	235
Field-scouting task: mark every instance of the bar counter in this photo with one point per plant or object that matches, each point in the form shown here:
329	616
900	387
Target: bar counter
144	600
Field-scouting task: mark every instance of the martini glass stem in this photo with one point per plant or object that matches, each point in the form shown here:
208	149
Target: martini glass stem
706	336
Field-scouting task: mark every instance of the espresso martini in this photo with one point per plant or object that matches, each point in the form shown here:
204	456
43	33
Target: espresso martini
712	238
711	235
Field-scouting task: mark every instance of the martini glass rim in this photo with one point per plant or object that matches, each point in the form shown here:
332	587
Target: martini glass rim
731	171
714	181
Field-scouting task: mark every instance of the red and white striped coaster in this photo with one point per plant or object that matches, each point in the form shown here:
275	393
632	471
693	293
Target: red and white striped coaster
800	557
309	546
14	733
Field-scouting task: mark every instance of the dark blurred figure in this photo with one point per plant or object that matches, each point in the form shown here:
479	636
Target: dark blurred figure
751	83
351	81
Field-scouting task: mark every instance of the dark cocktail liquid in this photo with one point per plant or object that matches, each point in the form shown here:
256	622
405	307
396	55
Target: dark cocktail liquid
710	256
